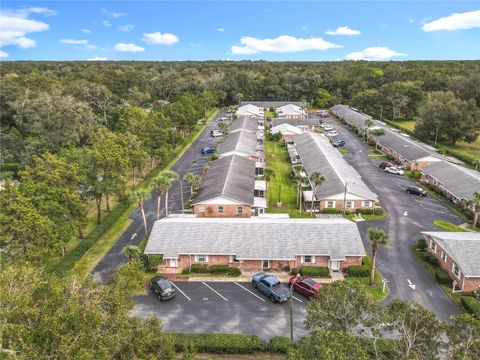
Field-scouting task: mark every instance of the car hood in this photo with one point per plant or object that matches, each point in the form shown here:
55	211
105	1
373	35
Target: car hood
281	291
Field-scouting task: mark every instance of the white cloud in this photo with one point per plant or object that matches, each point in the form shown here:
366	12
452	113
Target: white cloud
106	23
113	14
15	25
3	54
221	30
283	43
126	28
74	41
90	47
128	47
411	20
86	31
456	21
374	53
97	58
159	38
343	30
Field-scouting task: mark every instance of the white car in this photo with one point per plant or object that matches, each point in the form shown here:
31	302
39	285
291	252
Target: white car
216	133
332	133
394	170
328	127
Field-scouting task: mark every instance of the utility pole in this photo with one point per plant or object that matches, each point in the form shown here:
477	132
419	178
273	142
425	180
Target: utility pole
291	307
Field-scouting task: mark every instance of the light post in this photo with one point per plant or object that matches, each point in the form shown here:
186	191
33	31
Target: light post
291	307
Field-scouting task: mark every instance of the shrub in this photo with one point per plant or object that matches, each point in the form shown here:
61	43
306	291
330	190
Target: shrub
359	270
442	277
379	211
367	260
315	271
472	305
219	343
280	344
233	271
294	272
364	211
331	211
422	244
218	269
424	255
432	259
199	269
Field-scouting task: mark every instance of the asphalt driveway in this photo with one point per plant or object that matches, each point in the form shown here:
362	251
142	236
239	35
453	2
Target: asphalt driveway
192	161
408	216
223	307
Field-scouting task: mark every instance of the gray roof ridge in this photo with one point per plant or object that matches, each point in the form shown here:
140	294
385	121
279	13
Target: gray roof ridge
228	174
334	168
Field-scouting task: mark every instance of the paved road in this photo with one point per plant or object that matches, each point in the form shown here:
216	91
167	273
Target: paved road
223	307
408	216
192	161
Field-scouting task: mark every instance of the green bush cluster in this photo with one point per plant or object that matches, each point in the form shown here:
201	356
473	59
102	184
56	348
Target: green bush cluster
365	211
363	270
213	269
280	344
421	244
442	276
219	343
151	262
315	271
472	305
331	211
294	271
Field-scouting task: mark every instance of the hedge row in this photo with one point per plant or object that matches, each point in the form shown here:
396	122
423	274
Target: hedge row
363	270
315	271
378	211
229	343
472	305
440	275
213	269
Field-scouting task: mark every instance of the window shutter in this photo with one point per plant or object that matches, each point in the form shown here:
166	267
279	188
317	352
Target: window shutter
313	259
302	259
230	260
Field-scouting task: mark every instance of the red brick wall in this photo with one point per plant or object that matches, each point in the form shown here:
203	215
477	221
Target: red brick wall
356	204
229	211
351	260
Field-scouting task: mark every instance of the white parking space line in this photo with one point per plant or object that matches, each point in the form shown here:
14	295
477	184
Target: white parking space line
176	287
216	292
244	288
437	211
297	299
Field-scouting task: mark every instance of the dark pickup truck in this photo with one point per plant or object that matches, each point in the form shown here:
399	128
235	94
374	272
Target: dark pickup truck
271	287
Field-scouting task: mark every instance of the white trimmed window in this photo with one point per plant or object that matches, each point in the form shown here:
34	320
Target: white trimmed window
330	204
201	258
220	209
240	210
308	259
433	246
366	204
444	256
201	208
174	263
349	204
233	259
456	271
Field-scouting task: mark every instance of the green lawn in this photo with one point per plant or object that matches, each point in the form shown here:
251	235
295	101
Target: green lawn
448	226
281	188
344	151
269	114
375	292
370	217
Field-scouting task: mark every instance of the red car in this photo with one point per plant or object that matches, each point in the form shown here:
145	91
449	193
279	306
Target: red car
305	286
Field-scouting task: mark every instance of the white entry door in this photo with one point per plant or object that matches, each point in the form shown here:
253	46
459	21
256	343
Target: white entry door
335	265
173	263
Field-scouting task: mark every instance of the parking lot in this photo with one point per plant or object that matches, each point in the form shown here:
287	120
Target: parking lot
223	307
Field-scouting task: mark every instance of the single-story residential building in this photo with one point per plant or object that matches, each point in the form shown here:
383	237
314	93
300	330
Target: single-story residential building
270	104
457	183
229	189
249	110
241	143
459	254
290	111
286	131
268	243
244	124
343	187
305	124
351	117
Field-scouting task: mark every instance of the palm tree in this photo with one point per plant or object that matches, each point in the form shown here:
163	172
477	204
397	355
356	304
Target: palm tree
368	123
377	238
377	133
161	182
475	202
132	251
139	196
298	178
316	180
171	176
193	180
268	174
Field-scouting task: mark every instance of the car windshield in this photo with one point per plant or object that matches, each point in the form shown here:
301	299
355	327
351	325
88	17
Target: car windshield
164	284
310	282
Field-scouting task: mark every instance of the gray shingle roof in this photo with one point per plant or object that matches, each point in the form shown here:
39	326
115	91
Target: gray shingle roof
297	122
350	116
232	177
403	145
255	238
318	155
463	247
274	104
244	143
244	123
458	180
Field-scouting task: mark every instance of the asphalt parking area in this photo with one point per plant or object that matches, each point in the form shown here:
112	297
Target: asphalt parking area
228	307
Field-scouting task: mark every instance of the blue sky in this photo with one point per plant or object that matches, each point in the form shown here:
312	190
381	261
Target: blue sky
245	30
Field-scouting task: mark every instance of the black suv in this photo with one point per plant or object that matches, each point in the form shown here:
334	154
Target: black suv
162	287
415	190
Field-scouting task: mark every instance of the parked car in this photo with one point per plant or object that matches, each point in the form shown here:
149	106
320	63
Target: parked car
415	190
332	133
394	170
338	143
271	287
328	127
305	286
384	165
216	133
162	287
207	150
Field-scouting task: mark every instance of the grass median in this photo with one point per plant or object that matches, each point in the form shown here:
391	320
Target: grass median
85	256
